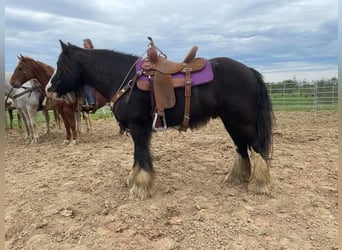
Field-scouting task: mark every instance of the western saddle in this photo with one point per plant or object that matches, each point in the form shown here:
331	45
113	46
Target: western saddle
159	71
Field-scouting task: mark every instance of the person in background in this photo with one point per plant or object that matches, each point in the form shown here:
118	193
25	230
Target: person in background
88	44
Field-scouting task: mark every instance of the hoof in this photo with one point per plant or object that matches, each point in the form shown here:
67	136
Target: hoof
140	192
259	188
73	143
35	141
66	142
132	175
233	179
140	182
260	179
240	172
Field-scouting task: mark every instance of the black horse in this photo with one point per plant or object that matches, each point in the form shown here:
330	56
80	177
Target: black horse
237	95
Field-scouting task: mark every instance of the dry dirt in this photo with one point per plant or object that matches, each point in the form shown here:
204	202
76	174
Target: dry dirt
62	197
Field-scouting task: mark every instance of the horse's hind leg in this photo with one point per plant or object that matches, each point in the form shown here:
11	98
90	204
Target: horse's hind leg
252	169
260	178
19	121
78	121
10	112
56	114
141	177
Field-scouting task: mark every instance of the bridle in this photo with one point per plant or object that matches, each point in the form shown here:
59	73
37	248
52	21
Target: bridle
27	90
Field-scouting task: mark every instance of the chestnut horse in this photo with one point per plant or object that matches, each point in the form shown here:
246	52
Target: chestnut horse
67	105
237	95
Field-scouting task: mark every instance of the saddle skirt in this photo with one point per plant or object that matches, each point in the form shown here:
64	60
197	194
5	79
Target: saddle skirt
199	77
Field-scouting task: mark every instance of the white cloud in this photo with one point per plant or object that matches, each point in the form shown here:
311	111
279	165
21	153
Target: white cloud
271	36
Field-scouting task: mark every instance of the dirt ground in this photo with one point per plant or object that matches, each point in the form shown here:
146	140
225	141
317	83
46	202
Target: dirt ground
63	197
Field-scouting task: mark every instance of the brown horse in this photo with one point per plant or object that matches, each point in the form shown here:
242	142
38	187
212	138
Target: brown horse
67	105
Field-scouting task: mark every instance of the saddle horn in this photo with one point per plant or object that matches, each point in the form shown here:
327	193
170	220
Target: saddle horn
151	45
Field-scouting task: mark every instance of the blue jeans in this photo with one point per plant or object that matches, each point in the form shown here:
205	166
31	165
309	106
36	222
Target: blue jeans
88	95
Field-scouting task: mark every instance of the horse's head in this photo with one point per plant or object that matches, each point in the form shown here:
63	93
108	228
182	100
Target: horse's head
67	76
23	71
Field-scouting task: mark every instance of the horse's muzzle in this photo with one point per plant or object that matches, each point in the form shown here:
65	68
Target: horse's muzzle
16	84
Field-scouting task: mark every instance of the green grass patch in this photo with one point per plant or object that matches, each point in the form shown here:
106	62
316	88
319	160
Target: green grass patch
103	113
279	103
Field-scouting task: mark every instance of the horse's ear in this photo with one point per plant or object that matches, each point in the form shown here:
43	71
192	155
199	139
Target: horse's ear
63	45
21	58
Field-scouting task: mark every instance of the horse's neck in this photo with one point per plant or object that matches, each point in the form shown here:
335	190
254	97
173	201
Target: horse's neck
43	73
98	74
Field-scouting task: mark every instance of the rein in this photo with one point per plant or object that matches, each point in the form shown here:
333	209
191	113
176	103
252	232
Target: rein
27	90
9	93
124	88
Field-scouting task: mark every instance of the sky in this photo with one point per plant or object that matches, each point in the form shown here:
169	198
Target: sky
292	39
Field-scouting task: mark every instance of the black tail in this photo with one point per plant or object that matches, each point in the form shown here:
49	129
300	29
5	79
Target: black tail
265	118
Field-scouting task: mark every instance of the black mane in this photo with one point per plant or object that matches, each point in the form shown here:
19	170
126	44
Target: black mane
115	63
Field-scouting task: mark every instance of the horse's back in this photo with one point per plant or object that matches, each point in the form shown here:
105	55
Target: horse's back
234	82
232	71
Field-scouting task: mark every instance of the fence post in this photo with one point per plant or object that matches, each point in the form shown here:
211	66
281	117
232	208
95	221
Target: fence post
284	93
298	95
333	94
315	97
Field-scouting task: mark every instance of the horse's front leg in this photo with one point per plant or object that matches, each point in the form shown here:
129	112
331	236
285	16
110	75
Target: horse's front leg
32	118
47	120
66	125
140	179
87	118
26	123
73	131
70	113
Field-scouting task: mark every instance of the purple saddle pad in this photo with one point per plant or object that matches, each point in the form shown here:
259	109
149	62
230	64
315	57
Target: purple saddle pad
198	77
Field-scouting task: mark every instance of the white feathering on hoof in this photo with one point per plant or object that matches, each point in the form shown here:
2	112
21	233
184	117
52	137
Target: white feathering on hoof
140	182
239	173
132	175
260	178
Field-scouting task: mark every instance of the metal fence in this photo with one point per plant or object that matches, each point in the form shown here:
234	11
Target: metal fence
306	97
284	97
